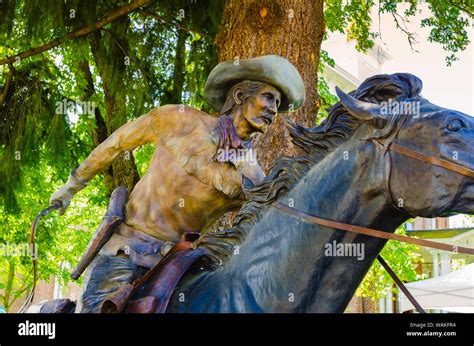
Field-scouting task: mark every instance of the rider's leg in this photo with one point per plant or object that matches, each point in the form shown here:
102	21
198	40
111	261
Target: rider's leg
104	277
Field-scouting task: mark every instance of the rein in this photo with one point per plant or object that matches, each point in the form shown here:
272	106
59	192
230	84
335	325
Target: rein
34	225
370	231
389	236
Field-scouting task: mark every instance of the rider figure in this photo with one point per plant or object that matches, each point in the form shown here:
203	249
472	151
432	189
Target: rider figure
195	174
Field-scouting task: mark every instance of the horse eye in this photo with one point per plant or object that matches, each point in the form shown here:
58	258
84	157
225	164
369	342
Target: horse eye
455	125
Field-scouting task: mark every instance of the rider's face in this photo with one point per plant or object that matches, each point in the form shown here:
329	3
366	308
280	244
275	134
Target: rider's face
260	109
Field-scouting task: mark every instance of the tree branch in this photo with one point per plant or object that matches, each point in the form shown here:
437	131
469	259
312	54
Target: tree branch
410	36
128	53
21	290
9	285
85	30
18	294
461	8
164	21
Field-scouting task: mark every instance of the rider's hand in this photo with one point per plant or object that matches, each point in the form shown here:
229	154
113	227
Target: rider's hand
65	194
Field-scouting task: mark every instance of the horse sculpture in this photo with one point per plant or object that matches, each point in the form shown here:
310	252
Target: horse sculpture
347	176
273	262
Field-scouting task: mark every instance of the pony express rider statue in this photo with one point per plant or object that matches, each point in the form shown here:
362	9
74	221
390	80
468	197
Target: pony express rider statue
195	174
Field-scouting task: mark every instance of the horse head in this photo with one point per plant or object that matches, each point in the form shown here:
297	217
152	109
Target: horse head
397	113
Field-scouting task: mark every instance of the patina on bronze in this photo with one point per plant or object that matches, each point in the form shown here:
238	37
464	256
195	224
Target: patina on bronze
270	69
196	172
279	254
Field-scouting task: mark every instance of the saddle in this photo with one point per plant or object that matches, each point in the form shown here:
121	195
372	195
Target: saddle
149	294
152	292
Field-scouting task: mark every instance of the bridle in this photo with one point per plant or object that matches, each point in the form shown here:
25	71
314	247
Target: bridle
386	146
451	166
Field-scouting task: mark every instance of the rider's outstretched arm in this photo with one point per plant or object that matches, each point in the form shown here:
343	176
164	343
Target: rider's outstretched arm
131	135
127	137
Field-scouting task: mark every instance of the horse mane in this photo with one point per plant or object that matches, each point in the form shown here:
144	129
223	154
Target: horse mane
316	143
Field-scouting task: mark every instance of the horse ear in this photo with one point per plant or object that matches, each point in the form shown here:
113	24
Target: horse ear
365	111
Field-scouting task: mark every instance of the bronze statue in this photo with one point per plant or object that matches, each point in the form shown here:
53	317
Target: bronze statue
196	172
399	165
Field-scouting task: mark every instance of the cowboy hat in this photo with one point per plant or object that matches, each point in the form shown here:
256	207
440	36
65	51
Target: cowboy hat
270	69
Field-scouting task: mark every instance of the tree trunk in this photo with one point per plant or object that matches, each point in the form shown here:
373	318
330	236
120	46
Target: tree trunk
175	94
110	60
293	29
98	132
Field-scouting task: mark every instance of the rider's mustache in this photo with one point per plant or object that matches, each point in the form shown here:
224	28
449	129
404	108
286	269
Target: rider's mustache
268	116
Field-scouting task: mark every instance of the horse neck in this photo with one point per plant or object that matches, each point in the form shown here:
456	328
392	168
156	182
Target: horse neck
282	264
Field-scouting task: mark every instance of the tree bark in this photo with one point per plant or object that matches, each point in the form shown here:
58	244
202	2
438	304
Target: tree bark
4	94
293	29
175	94
99	132
110	62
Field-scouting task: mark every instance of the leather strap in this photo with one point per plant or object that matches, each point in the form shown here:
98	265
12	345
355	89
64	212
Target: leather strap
164	280
152	292
400	285
432	160
378	234
371	232
185	243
